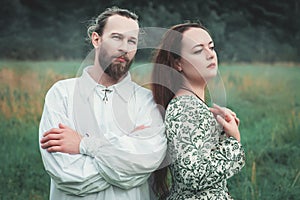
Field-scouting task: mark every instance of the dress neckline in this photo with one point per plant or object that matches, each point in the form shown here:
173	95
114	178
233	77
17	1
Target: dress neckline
191	91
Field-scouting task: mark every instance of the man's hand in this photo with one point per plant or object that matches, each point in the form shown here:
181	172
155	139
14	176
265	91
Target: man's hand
228	120
62	139
138	128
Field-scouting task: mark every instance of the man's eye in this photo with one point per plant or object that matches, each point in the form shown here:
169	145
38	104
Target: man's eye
133	42
116	37
212	48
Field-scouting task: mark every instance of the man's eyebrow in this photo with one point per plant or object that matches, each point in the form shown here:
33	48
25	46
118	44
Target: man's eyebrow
201	45
116	34
133	38
122	35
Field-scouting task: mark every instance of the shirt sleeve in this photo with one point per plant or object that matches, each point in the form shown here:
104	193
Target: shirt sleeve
131	158
197	162
74	174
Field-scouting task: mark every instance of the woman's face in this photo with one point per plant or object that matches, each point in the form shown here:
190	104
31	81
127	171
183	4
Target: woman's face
199	60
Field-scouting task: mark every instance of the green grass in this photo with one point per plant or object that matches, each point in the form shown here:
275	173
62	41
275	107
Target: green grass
266	99
21	173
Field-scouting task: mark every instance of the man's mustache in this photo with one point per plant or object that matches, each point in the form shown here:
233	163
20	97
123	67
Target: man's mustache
123	55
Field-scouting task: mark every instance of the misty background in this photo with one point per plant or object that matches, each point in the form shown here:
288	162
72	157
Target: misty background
243	30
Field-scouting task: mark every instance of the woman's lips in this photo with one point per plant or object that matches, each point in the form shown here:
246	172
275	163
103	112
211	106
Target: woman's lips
212	65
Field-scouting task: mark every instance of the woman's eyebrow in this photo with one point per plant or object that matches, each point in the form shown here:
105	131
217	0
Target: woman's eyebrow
201	45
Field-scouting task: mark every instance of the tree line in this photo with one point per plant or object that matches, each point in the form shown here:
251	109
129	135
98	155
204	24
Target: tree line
243	30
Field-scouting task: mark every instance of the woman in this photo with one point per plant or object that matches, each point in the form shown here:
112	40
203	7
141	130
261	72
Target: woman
204	143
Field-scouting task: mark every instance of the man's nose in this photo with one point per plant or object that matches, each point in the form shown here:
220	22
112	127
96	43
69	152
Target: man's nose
123	46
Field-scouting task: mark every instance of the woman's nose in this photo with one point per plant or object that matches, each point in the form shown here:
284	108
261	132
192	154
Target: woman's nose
209	54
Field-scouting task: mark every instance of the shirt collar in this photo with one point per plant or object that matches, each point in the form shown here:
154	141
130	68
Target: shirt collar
87	85
124	88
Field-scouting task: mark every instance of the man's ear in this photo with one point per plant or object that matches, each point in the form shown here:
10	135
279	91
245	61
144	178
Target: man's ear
178	65
96	39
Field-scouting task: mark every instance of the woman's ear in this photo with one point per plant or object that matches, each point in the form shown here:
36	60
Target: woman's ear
96	39
178	65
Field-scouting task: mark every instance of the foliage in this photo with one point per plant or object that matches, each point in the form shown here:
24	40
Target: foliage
266	31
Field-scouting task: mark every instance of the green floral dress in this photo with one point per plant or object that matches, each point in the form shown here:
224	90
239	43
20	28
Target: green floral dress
202	156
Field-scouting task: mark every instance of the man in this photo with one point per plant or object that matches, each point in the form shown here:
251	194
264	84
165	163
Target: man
101	134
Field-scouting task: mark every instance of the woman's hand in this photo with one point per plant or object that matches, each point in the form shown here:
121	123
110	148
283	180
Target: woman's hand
228	119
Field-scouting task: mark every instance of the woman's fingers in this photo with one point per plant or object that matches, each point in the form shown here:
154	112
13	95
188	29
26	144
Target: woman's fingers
226	113
237	121
221	120
230	127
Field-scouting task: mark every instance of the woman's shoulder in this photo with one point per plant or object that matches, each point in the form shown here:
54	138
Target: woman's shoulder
185	100
186	105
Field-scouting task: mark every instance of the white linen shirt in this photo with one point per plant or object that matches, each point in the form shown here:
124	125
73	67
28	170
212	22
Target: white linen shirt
115	160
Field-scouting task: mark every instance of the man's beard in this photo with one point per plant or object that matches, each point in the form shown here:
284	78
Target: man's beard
114	70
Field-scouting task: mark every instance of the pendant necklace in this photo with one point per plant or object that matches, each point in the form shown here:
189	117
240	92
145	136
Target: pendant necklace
191	91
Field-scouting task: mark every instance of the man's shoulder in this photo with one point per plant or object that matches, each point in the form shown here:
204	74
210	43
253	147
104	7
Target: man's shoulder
65	83
62	87
141	90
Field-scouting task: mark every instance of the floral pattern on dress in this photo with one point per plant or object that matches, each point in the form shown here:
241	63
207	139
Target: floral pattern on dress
203	158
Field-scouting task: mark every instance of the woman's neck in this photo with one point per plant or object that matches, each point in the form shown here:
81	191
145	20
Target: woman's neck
196	89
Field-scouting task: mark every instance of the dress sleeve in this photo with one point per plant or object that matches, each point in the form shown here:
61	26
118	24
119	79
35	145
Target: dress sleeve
197	162
129	160
74	174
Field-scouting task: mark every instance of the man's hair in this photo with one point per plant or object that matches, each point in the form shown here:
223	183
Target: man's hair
99	23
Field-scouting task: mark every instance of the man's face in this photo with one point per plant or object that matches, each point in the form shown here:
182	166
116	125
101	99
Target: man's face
118	45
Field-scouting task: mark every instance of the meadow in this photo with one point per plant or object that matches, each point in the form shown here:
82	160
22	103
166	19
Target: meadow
265	97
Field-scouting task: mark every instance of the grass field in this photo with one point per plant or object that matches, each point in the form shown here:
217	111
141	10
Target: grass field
266	99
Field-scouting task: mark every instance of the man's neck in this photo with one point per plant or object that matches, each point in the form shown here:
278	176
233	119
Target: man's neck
101	77
106	80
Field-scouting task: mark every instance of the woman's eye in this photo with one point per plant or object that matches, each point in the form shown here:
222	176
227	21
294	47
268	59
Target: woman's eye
198	51
212	48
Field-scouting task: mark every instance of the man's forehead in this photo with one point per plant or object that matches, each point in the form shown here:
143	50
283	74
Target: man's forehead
121	25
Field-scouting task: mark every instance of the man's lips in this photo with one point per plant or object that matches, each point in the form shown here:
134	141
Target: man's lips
121	59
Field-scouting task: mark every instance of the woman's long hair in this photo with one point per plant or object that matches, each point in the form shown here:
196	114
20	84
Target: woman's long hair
166	81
